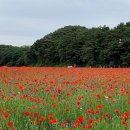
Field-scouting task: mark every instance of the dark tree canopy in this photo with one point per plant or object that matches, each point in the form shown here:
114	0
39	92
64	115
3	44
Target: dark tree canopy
12	56
71	45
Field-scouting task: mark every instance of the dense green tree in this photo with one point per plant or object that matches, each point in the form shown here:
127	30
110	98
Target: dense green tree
10	55
71	45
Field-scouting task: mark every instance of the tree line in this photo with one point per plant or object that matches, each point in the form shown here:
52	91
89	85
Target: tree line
97	46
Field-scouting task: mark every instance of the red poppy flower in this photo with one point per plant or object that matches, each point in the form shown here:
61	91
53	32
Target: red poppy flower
106	114
81	119
117	111
13	128
50	116
78	103
59	91
42	118
77	123
97	111
90	112
99	106
21	88
35	114
125	123
6	115
89	126
54	121
27	113
90	120
10	123
97	95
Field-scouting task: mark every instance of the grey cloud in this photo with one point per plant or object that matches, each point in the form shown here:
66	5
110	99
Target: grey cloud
32	19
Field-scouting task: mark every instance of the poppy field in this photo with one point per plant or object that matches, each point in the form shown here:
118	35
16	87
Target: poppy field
58	98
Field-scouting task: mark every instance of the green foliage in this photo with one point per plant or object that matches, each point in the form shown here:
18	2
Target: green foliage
71	45
12	56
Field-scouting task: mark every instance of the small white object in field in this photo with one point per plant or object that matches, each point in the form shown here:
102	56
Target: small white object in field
69	66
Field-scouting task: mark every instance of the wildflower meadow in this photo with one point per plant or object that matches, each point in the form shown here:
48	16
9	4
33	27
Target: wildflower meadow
59	98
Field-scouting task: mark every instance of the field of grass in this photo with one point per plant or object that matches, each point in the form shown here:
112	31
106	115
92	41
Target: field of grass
56	98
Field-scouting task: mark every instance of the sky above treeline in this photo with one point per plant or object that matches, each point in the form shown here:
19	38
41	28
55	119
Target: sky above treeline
22	22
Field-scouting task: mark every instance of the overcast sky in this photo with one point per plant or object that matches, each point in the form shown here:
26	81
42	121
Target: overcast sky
22	22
